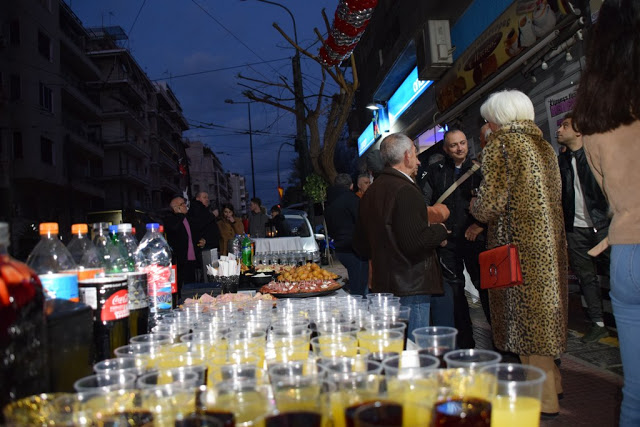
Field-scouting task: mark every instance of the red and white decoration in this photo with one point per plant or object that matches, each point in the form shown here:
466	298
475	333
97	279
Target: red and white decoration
351	19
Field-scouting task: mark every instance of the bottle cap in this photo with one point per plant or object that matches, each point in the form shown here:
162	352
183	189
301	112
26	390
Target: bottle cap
113	229
4	233
100	225
161	228
48	228
79	228
154	225
124	227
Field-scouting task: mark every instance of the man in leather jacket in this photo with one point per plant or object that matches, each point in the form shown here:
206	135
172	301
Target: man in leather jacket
467	238
393	231
586	223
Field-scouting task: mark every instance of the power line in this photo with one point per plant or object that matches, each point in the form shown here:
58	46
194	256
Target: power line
220	69
136	19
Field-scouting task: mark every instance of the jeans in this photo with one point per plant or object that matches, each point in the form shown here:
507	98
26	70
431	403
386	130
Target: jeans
625	299
442	307
580	240
419	316
358	270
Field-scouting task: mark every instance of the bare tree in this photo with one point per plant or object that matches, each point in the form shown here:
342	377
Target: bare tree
322	144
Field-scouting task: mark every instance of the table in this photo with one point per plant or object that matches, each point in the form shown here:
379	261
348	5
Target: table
275	244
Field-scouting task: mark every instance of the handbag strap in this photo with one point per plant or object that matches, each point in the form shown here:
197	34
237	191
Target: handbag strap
506	167
458	183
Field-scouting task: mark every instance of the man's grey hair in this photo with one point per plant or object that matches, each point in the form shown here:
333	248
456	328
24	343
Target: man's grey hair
507	106
343	180
393	147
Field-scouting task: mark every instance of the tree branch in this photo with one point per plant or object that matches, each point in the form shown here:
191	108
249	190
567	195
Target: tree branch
261	81
249	94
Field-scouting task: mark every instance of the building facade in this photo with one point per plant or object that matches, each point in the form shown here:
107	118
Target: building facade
207	173
239	196
82	128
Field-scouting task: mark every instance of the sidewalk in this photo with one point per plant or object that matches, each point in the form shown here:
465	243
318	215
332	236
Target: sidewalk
591	373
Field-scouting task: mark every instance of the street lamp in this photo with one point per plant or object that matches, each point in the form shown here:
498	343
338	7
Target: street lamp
278	161
253	171
301	127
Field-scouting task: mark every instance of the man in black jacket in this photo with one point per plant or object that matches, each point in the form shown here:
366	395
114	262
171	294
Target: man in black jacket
586	222
394	232
341	215
183	242
204	225
466	240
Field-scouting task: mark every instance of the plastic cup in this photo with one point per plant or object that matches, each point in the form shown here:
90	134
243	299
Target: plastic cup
436	340
127	364
409	365
518	396
101	383
238	402
155	338
379	414
471	358
174	378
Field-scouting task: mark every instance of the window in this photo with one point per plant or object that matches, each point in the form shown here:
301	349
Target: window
44	46
17	146
14	32
14	87
46	150
46	97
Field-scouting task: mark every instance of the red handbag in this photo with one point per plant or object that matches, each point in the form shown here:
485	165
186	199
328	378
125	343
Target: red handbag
500	267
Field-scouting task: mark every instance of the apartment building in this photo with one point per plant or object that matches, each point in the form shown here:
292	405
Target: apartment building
206	173
82	128
239	196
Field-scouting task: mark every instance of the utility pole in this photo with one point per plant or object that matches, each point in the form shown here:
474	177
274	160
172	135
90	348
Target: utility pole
302	145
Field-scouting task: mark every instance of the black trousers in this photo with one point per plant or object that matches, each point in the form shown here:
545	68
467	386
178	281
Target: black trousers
458	254
186	274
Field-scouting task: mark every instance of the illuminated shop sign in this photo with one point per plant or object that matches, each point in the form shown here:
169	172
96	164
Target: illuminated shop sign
410	89
366	139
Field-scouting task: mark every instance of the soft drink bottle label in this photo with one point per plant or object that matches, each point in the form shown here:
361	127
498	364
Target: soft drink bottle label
116	306
159	287
174	279
63	286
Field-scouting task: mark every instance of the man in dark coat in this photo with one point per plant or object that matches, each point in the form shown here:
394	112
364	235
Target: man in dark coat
586	222
341	215
183	242
204	225
466	240
283	229
394	232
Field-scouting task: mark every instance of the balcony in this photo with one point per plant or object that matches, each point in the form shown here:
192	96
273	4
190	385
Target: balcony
133	118
131	146
89	186
168	164
74	97
127	175
81	138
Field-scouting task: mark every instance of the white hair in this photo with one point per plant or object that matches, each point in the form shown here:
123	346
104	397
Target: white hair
393	147
507	106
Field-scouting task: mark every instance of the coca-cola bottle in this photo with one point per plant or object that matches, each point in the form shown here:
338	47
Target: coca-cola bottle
23	350
153	256
54	265
84	253
137	280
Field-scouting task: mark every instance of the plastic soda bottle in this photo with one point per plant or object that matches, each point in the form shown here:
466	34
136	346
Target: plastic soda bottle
246	251
84	253
153	256
54	265
122	239
23	334
112	260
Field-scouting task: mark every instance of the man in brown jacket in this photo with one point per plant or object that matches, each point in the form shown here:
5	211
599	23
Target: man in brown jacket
394	233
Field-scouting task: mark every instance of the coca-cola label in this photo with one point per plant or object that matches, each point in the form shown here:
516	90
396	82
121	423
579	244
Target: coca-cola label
116	306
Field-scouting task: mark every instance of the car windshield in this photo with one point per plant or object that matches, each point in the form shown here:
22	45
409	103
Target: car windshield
298	226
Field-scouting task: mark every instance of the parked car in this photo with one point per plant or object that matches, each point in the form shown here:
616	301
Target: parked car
300	226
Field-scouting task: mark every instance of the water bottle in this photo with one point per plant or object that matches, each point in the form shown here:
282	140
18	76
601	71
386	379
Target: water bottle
153	256
23	371
236	246
246	251
122	239
84	253
54	265
112	260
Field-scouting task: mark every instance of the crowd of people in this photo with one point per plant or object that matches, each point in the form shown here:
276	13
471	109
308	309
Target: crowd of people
197	226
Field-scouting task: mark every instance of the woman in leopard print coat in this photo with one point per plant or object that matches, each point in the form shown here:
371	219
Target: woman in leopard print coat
531	319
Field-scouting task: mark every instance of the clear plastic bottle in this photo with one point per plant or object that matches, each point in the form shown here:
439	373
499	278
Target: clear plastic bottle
54	265
128	244
23	349
236	246
153	256
84	253
112	260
